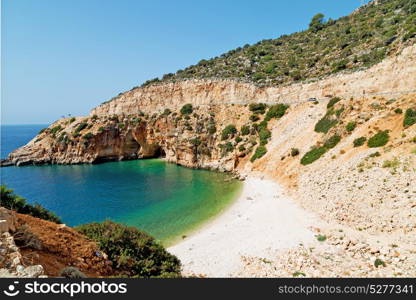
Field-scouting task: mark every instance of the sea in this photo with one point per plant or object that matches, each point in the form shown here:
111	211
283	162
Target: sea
165	200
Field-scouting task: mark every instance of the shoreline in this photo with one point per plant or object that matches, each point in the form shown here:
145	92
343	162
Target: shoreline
263	219
200	226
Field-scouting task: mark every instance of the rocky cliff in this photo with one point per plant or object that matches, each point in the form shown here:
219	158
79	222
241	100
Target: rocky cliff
147	122
394	75
193	140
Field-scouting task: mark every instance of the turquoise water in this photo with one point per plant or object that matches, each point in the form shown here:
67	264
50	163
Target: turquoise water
163	199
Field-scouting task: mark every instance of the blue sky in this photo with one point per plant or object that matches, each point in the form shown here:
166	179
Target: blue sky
64	57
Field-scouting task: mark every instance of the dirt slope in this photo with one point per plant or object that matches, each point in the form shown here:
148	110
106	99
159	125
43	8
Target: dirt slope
62	246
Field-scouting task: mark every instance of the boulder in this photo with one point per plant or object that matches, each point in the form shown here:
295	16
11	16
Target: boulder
7	221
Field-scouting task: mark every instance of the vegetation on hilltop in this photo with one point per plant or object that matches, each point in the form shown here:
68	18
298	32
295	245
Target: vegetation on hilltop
359	40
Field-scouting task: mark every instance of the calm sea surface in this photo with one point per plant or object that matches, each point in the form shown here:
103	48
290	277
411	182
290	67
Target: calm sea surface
161	198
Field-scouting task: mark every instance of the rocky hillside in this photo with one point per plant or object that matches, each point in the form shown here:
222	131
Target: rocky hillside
394	75
34	243
204	124
354	166
365	37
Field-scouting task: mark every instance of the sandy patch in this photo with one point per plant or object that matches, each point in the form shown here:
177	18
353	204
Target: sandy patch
261	221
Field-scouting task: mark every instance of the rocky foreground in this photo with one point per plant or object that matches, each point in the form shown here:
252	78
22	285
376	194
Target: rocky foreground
365	196
31	247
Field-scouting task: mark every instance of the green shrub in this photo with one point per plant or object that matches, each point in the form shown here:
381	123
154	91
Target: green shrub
360	141
276	111
241	148
196	141
317	23
312	155
254	118
339	112
113	118
245	130
211	128
254	128
375	154
238	139
321	238
56	129
228	147
258	108
80	127
332	141
378	262
204	150
132	252
260	152
264	135
332	102
262	124
340	65
294	152
63	138
409	117
394	163
166	112
297	274
228	131
71	120
325	124
11	201
351	126
379	140
87	136
398	111
187	109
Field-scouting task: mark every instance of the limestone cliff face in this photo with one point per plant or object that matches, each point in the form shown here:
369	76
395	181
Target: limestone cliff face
192	140
393	75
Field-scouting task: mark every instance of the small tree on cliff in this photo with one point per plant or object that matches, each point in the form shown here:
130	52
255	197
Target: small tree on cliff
187	109
317	22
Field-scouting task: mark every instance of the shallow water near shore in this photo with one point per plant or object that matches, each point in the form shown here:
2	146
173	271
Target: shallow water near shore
164	199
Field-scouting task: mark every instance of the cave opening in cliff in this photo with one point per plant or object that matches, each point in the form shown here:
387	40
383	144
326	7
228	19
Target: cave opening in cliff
160	153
